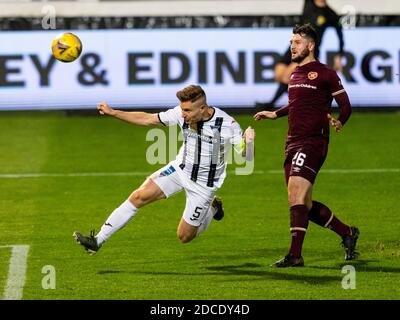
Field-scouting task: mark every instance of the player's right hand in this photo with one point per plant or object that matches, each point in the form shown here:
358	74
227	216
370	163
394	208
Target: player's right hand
265	115
105	109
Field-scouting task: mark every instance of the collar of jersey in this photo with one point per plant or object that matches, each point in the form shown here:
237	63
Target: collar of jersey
212	116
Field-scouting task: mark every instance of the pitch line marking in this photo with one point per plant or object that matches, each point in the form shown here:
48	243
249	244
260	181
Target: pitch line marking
16	272
143	173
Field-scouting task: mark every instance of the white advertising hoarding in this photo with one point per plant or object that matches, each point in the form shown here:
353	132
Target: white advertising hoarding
144	68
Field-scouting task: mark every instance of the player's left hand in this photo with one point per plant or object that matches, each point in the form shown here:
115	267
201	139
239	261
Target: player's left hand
335	123
249	135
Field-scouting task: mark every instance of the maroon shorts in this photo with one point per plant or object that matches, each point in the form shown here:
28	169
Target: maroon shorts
304	161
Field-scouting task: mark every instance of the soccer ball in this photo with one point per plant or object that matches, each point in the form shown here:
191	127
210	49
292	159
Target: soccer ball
66	47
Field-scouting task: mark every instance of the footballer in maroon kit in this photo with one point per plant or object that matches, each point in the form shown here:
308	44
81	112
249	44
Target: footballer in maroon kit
312	87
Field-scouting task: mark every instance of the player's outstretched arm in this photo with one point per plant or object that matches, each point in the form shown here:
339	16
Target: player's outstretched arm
134	117
265	115
284	111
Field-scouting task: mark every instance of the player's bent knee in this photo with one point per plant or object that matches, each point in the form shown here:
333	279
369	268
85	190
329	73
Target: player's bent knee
186	232
185	237
139	198
136	199
295	198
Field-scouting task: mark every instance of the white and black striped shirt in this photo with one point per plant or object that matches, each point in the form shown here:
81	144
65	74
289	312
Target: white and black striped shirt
203	153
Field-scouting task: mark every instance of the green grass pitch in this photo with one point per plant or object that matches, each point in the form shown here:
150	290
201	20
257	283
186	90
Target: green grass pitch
231	259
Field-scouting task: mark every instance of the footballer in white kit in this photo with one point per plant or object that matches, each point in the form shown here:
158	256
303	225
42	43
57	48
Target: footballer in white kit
199	168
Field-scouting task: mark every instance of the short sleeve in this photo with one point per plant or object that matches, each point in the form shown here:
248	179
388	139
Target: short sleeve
170	117
335	84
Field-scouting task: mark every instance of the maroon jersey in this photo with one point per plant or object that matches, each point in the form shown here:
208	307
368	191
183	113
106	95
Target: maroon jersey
311	90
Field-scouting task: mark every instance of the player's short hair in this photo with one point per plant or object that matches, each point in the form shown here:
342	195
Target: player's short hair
190	93
307	31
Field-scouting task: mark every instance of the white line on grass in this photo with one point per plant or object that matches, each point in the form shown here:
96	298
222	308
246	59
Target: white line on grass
76	174
143	173
16	272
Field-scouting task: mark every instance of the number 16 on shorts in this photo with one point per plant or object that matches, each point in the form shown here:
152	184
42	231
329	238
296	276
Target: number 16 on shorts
298	159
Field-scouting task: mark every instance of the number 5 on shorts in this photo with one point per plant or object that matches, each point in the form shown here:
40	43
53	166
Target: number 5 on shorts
196	215
299	158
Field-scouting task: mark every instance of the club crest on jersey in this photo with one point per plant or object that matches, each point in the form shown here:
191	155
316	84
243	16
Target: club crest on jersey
312	75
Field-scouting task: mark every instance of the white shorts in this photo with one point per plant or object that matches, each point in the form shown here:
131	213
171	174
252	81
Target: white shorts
171	179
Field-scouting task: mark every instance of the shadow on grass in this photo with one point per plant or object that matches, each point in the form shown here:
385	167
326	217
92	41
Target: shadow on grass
254	270
360	265
269	272
109	271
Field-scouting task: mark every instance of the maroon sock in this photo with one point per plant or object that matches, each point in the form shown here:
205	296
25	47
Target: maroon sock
298	228
323	216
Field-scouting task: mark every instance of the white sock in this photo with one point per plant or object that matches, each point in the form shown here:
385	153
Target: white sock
116	221
207	220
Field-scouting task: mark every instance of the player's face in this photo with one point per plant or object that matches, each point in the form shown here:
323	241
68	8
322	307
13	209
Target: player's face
300	48
192	112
